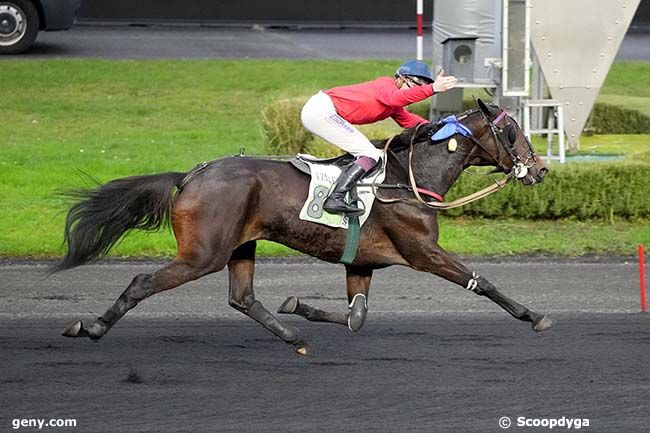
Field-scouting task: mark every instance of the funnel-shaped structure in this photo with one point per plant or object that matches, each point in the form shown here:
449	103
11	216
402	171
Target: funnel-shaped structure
576	42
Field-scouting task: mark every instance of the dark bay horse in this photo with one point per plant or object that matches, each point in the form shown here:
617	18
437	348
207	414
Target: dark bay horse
221	211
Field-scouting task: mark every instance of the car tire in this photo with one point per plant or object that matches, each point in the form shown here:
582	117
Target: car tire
19	24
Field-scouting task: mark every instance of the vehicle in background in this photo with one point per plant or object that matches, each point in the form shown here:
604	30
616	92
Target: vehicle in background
21	20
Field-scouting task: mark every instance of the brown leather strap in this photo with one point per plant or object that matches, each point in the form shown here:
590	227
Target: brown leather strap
498	185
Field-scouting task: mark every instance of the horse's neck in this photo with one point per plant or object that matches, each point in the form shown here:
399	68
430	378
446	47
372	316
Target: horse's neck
435	167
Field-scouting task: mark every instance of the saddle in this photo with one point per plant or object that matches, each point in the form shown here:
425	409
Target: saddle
301	161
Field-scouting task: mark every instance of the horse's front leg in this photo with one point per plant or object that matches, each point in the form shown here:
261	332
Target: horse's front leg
358	283
443	264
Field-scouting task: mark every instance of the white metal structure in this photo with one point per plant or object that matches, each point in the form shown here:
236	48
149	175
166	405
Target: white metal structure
485	44
550	129
467	40
576	42
515	58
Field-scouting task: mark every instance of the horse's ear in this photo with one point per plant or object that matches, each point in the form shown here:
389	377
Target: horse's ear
483	107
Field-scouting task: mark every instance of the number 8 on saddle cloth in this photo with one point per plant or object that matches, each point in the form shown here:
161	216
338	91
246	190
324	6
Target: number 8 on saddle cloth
322	178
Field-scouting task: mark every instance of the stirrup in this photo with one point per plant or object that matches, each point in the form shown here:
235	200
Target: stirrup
338	205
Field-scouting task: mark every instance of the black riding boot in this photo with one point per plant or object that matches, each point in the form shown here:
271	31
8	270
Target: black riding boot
336	203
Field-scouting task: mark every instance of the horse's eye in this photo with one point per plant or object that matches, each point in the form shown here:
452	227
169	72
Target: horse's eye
512	135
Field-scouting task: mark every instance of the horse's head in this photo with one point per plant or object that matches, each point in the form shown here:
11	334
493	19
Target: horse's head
503	143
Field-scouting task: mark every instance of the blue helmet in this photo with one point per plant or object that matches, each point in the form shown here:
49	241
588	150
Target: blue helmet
415	68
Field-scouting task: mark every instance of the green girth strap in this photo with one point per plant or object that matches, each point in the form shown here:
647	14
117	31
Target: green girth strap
354	229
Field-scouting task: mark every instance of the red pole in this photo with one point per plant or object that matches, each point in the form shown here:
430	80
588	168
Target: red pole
419	12
644	305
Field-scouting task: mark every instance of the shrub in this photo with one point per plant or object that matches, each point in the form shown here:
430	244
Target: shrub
282	129
609	119
322	149
582	191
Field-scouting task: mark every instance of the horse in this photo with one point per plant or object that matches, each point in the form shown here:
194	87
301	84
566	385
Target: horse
219	212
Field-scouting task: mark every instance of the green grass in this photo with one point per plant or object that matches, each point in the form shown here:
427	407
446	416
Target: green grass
459	235
628	79
119	118
566	237
633	147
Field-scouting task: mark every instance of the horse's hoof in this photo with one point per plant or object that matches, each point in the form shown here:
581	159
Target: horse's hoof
303	348
76	329
543	324
289	305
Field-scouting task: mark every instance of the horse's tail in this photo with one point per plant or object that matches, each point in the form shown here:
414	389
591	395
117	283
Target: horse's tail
102	215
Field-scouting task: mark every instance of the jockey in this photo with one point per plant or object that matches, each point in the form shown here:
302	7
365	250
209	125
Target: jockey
331	114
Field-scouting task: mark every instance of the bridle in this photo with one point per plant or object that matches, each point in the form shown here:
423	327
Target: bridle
504	137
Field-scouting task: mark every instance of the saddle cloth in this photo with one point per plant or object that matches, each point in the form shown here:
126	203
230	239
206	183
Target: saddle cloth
324	174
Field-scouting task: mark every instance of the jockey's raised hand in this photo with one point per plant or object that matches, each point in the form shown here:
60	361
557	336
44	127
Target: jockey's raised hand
443	83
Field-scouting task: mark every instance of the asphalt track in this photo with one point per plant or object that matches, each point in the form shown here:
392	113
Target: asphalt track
193	42
431	358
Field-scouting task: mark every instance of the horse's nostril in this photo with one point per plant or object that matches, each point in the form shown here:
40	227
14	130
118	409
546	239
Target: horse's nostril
543	172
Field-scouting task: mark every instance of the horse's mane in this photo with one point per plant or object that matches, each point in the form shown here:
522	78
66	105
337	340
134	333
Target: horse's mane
402	140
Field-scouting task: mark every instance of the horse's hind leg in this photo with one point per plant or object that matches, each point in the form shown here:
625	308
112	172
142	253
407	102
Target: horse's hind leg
241	269
206	234
142	286
358	284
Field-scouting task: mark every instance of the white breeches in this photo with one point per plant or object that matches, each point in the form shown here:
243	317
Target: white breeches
320	118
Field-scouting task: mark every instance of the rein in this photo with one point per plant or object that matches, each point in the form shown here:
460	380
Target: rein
498	185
